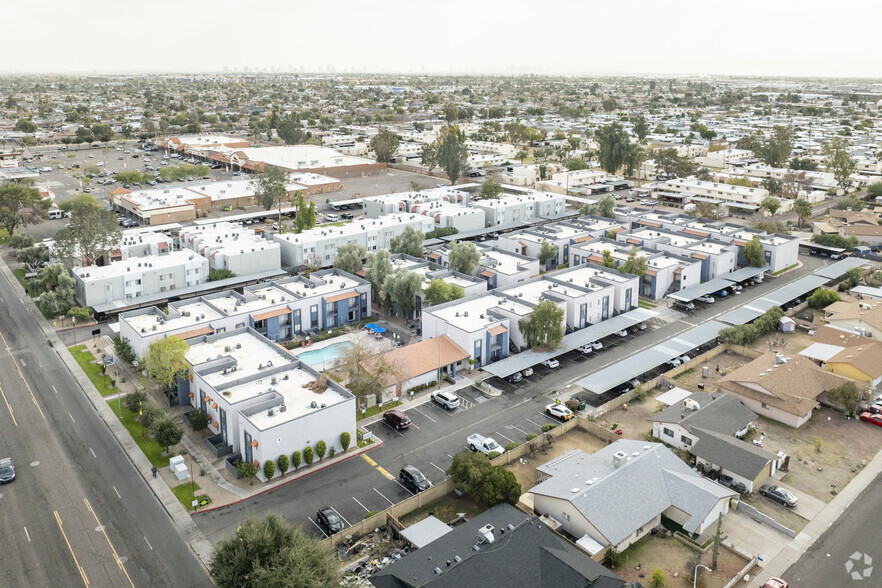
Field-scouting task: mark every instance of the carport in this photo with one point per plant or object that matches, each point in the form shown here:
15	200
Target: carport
709	287
745	273
624	371
755	308
515	363
838	269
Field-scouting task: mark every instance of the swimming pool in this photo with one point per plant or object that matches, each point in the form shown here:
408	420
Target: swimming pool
324	358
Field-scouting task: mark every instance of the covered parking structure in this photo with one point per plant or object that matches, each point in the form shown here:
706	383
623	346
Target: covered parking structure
515	363
838	269
624	371
717	284
755	308
745	273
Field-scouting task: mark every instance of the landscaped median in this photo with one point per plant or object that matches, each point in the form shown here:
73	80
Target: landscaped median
186	493
93	370
151	448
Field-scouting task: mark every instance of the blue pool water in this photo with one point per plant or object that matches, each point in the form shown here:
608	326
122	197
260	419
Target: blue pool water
324	358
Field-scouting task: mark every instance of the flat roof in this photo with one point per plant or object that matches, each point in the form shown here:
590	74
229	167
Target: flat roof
476	308
296	157
197	313
835	270
137	265
297	399
253	351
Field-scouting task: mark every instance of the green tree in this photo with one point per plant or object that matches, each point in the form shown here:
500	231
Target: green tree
850	202
308	455
20	206
543	327
268	553
269	469
21	241
123	349
84	135
773	185
271	189
847	395
822	298
439	291
453	157
385	145
521	155
354	362
874	190
148	413
91	232
753	252
283	463
290	129
463	257
633	159
658	578
296	458
36	256
635	265
102	132
377	268
401	288
198	420
588	208
770	204
847	243
306	217
609	104
56	288
80	313
491	190
429	155
409	242
25	125
133	401
489	484
320	449
167	431
803	209
246	470
608	260
803	164
349	257
774	150
606	206
641	128
547	252
614	146
345	439
215	275
575	164
165	359
840	162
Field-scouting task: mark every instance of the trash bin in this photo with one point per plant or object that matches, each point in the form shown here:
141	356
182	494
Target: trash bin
581	404
328	200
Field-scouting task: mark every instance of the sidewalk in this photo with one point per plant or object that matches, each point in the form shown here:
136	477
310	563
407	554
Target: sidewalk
819	525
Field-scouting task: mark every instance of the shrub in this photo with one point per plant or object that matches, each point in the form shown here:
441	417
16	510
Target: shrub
572	404
511	445
547	427
150	412
612	559
269	469
531	436
345	439
166	429
245	470
494	454
21	241
134	400
283	463
370	513
489	484
198	419
295	459
331	452
308	455
123	349
320	449
658	578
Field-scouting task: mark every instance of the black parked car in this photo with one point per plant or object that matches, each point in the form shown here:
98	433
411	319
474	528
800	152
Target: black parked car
7	470
413	479
329	519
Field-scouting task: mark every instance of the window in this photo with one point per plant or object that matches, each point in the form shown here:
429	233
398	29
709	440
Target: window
686	440
667	432
766	406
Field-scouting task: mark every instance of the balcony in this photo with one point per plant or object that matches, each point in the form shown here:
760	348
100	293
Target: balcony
217	446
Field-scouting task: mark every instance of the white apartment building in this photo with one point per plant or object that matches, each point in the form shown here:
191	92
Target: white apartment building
230	246
257	401
140	243
138	277
727	193
320	243
462	218
524	206
528	242
505	149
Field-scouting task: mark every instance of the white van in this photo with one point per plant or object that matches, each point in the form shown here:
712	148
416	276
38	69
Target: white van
45	170
332	218
53	214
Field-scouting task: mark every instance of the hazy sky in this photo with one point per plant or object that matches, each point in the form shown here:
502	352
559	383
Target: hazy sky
747	37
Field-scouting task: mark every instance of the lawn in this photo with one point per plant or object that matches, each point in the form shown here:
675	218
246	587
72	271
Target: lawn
186	495
644	303
375	409
4	236
20	276
93	370
444	509
153	450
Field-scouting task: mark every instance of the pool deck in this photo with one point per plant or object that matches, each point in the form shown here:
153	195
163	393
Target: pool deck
380	346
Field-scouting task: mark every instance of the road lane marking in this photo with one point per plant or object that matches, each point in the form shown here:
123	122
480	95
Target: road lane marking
71	418
387	500
28	534
317	526
69	548
437	468
21	375
148	543
385	473
117	492
425	415
369	460
54	390
366	509
348	524
92	452
112	548
504	437
8	407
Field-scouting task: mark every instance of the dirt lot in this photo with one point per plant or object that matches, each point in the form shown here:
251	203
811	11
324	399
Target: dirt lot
575	439
720	365
633	421
668	554
846	446
445	509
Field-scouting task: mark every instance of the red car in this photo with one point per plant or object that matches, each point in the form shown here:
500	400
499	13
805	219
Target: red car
873	419
775	582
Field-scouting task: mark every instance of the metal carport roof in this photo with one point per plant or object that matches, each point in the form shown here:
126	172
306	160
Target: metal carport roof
745	273
529	358
709	287
623	371
796	289
835	270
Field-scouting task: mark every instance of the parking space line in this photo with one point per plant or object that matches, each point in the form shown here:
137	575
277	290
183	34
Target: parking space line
385	473
437	468
425	415
551	418
317	526
366	509
348	524
369	460
519	429
534	422
405	487
504	437
384	496
393	428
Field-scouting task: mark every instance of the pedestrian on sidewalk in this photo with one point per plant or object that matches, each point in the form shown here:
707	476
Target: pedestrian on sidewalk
153	470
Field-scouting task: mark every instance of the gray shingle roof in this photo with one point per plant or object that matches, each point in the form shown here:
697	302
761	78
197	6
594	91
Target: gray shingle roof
720	413
733	454
531	555
620	500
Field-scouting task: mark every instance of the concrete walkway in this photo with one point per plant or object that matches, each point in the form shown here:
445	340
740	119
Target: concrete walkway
777	565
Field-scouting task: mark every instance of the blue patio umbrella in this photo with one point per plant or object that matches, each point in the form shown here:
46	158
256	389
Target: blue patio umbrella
379	330
371	326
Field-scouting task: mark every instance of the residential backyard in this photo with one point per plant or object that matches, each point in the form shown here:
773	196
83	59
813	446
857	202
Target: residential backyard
525	468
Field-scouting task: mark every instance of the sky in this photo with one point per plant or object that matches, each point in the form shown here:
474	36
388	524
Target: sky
580	37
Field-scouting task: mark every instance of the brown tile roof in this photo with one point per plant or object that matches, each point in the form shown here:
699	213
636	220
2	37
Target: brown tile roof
343	296
487	273
833	336
421	358
867	358
582	239
498	330
648	223
696	233
699	256
864	230
792	387
195	333
119	191
271	313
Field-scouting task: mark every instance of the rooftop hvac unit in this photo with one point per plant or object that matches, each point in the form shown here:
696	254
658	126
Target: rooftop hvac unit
313	404
283	408
274	381
238	346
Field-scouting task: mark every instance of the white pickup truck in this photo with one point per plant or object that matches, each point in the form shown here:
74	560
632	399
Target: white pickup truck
483	444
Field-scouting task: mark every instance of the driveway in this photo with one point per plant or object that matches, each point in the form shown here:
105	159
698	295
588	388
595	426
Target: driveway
752	536
808	507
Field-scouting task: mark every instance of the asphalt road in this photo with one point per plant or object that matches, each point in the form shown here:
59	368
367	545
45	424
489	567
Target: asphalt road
856	532
78	513
369	482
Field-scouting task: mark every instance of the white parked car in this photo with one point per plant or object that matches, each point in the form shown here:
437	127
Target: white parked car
674	362
622	333
586	349
448	400
706	299
527	372
559	411
597	345
551	363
